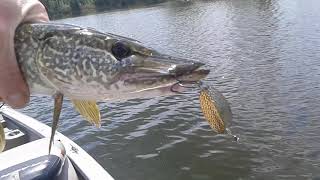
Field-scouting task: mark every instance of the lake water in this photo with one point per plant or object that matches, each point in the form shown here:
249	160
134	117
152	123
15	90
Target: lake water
265	58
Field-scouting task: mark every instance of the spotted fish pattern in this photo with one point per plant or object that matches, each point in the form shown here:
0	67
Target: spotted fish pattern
89	66
56	57
80	63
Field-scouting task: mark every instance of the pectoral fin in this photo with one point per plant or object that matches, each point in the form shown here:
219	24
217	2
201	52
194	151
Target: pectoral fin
58	99
89	110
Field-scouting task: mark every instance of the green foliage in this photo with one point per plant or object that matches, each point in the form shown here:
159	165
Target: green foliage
75	7
62	8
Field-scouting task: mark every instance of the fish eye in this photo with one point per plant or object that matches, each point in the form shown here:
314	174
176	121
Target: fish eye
120	50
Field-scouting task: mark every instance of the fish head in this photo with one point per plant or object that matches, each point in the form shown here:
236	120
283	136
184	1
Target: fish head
143	71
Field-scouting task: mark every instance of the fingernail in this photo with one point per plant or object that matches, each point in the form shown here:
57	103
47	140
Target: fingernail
16	100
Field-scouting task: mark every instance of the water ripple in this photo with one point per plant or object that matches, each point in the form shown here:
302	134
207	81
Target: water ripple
264	58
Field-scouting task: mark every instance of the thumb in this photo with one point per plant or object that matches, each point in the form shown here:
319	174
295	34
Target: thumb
13	89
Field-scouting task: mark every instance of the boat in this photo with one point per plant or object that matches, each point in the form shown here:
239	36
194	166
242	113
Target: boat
26	155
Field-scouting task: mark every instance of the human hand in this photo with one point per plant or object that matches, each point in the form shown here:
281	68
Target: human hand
13	89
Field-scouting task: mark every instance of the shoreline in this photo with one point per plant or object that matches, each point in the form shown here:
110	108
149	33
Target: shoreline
91	10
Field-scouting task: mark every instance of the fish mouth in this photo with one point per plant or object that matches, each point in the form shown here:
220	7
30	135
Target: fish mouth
162	72
177	68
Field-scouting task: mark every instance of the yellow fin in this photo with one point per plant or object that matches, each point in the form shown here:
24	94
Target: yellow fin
89	110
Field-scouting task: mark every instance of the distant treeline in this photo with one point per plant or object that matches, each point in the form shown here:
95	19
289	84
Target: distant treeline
65	8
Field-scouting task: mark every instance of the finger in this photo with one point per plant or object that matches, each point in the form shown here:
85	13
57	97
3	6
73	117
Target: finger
13	89
34	11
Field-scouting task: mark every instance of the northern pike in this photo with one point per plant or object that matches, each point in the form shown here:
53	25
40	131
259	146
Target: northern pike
87	66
